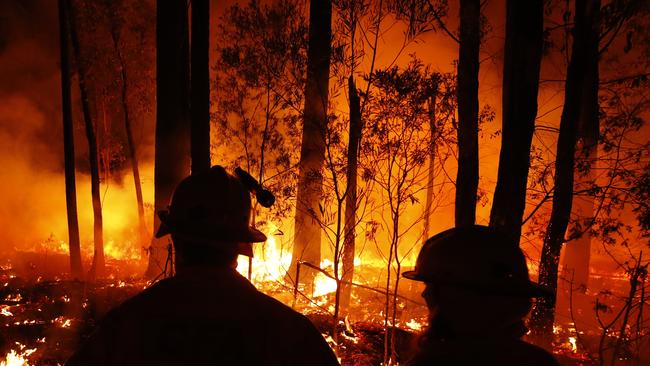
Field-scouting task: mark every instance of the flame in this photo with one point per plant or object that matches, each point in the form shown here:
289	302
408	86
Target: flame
415	325
270	262
574	346
323	284
17	358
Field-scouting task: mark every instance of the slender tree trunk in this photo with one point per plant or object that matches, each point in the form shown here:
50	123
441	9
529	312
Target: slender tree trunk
432	161
132	149
172	159
312	153
200	86
467	177
578	251
68	143
523	54
98	266
351	195
544	310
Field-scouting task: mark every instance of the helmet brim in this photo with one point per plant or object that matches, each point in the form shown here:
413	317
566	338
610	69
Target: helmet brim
242	235
519	289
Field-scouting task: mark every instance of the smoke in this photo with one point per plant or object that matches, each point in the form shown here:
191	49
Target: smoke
32	184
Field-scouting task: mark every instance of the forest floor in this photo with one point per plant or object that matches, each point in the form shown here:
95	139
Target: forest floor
42	321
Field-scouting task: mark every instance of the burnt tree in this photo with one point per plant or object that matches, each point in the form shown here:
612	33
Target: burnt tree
200	86
468	66
172	157
68	143
522	59
312	153
98	265
585	22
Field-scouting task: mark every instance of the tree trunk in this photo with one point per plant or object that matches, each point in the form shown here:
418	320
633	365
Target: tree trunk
132	149
98	266
172	158
200	86
431	174
351	195
523	53
585	22
467	176
68	143
312	153
578	251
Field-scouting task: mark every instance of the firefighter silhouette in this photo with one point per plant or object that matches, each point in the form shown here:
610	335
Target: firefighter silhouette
207	314
478	292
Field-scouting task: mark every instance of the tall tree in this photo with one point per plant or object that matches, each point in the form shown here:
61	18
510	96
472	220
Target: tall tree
585	21
578	250
200	86
312	152
172	157
432	164
68	142
112	9
98	266
468	66
522	59
351	195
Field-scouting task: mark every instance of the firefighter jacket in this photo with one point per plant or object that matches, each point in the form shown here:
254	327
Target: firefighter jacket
485	351
204	317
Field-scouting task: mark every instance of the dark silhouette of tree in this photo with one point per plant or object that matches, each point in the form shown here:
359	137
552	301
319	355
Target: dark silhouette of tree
578	251
468	66
351	195
115	30
68	142
172	160
200	86
585	23
312	153
98	266
523	52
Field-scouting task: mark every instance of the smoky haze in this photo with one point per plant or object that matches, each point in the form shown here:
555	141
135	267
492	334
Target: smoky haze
31	142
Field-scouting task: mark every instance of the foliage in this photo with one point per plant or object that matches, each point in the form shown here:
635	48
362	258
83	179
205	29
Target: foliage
258	95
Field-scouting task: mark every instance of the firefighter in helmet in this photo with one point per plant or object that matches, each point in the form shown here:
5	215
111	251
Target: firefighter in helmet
207	314
478	292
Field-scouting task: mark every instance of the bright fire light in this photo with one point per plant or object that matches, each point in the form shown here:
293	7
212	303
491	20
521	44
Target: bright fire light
17	358
270	261
574	346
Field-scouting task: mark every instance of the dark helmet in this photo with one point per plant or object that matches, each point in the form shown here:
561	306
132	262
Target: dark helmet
211	208
480	258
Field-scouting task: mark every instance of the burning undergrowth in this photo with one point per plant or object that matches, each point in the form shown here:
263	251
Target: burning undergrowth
43	319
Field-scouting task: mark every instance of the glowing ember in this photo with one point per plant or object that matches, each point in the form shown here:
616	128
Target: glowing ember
63	322
4	310
14	298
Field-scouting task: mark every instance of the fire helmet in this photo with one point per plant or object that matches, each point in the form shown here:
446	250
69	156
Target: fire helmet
211	208
478	258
